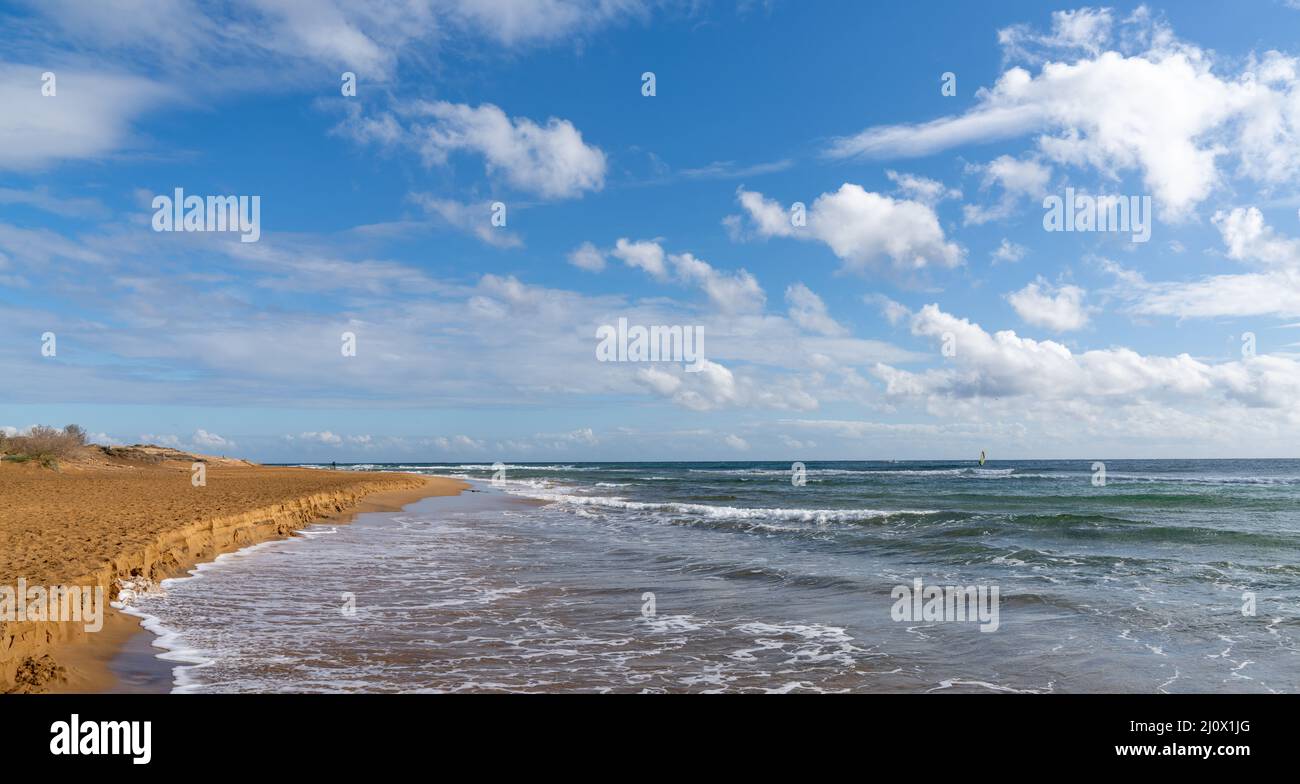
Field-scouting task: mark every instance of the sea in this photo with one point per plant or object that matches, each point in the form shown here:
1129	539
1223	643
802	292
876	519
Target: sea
1158	576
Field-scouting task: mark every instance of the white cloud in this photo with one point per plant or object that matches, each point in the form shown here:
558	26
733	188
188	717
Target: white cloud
1162	111
365	36
1272	290
1248	294
588	257
855	429
1086	29
1020	177
922	189
205	440
716	386
1059	308
345	33
862	228
794	443
474	219
894	312
201	441
1008	251
42	247
90	116
736	442
585	436
549	160
421	341
727	170
360	35
522	21
322	437
41	198
459	443
731	292
646	255
1006	368
1017	178
809	311
1248	238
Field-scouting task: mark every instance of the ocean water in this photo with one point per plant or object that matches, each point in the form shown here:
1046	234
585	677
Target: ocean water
1175	576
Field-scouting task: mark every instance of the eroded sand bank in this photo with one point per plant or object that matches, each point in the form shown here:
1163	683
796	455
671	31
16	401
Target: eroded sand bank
97	522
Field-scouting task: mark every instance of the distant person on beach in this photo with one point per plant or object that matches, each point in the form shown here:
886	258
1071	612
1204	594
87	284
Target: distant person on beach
334	466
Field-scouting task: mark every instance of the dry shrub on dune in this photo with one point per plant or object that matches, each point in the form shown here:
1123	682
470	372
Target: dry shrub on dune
44	443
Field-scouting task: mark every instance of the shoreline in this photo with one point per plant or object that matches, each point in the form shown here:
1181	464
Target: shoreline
101	665
274	503
170	657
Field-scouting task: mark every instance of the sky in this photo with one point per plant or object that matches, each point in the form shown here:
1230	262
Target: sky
851	201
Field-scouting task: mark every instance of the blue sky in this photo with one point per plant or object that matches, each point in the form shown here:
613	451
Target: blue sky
823	341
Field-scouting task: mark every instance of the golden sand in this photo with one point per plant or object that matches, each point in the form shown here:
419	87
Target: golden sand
138	515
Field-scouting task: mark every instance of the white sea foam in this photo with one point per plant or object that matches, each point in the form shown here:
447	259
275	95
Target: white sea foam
950	683
672	623
971	472
519	467
134	600
730	512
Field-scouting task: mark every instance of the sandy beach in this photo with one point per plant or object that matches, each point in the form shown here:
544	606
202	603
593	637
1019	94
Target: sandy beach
135	514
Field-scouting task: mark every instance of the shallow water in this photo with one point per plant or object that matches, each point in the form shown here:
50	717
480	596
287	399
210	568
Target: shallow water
761	585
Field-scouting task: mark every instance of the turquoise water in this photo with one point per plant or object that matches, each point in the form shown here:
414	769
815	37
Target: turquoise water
760	584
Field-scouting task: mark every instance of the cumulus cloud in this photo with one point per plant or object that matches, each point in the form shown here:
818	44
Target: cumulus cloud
549	160
716	386
731	292
203	438
321	437
1017	178
201	441
1008	251
922	189
1160	109
645	255
1085	30
864	229
1006	367
1248	238
588	257
1058	308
